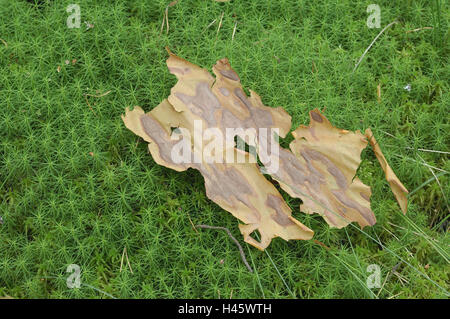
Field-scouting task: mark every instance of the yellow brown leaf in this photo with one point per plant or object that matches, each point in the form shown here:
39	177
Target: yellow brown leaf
399	190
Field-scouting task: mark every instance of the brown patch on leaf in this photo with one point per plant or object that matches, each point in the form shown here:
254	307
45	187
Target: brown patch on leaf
321	172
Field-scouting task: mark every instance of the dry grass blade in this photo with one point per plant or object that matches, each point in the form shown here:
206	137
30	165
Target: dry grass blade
422	163
375	39
419	29
314	68
220	24
209	25
125	255
392	297
234	31
387	277
128	261
413	232
162	24
428	150
437	181
167	20
101	95
121	260
418	149
379	92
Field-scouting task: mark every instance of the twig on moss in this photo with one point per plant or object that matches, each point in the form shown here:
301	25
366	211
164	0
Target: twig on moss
193	226
85	97
167	14
241	251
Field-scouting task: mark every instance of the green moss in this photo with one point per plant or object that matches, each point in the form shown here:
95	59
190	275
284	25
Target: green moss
62	206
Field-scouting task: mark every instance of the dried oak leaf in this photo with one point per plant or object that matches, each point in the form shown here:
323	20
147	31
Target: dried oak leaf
239	188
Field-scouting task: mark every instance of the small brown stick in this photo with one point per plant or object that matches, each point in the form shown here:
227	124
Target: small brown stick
419	29
101	95
321	244
4	42
241	251
167	14
85	97
193	226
